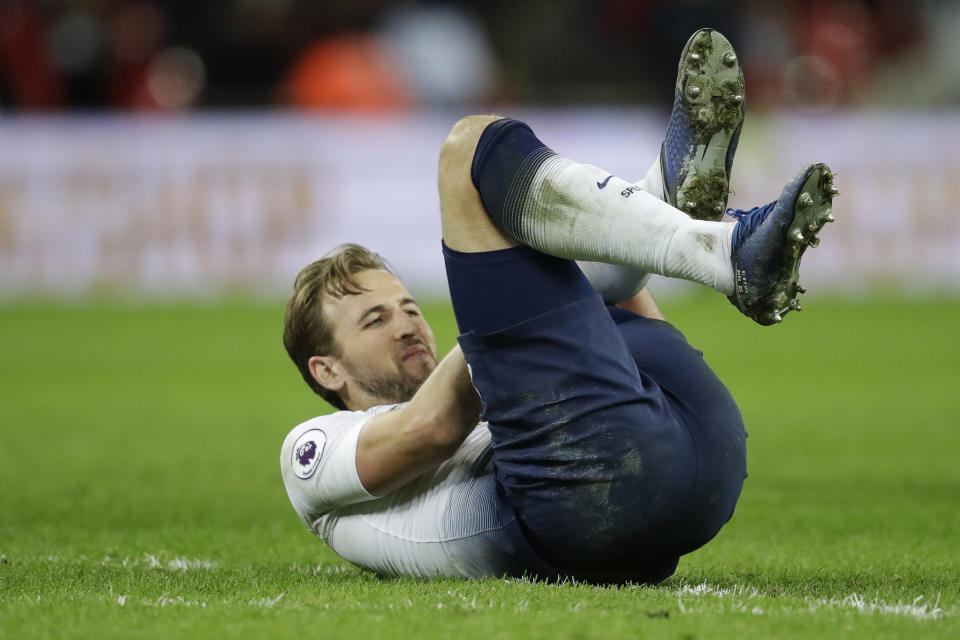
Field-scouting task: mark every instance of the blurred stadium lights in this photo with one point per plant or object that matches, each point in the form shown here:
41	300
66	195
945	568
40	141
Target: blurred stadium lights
810	82
76	41
175	78
443	54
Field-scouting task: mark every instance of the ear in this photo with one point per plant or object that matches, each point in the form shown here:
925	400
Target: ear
326	371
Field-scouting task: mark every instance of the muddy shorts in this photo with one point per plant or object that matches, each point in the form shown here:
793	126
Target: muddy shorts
616	448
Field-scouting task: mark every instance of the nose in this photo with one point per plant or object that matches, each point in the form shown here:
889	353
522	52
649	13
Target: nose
405	327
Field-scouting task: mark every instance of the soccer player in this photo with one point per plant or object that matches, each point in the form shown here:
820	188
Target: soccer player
564	436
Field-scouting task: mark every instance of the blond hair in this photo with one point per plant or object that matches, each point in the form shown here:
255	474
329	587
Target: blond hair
305	332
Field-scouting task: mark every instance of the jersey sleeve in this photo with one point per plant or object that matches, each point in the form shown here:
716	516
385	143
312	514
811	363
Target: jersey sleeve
318	462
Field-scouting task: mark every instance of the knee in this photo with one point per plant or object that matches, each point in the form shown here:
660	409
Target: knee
460	144
466	225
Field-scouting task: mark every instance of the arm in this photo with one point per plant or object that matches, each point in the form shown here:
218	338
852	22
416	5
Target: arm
642	304
397	446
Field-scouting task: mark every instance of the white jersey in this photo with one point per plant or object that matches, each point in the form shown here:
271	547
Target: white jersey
441	523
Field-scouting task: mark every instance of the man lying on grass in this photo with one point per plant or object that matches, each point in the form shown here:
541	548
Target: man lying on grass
564	436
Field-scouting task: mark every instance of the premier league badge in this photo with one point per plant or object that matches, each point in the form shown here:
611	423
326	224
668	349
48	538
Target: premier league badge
307	451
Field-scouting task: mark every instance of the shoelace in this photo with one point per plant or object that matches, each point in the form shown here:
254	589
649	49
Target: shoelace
749	220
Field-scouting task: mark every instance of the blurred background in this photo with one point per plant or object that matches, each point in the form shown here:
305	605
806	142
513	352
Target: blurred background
190	149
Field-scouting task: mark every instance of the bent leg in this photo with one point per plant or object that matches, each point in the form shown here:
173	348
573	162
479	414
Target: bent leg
588	460
467	226
501	186
592	459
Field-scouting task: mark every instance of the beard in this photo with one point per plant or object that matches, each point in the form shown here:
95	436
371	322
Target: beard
392	388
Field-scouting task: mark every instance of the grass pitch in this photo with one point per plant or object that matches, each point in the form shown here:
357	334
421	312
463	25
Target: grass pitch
140	491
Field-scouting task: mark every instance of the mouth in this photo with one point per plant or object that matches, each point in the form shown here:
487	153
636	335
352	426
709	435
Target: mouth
414	351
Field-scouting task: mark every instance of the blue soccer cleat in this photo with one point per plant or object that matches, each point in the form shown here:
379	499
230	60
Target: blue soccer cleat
769	241
708	107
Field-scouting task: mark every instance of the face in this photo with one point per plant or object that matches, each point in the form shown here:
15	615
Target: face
385	347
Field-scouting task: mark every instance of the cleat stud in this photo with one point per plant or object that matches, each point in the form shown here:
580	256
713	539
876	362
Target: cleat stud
799	307
812	227
695	57
796	236
795	304
729	58
777	318
833	191
694	91
805	201
814	241
690	205
738	98
829	218
718	208
800	289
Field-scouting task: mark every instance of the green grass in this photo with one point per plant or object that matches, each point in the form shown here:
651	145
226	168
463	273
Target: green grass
140	491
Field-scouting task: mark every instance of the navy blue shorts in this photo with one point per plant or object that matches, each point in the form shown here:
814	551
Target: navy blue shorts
616	448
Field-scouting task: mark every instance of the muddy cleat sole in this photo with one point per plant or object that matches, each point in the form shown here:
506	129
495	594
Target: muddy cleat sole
708	109
769	241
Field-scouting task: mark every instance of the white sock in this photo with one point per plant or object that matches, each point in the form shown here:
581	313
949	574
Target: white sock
614	282
565	213
653	182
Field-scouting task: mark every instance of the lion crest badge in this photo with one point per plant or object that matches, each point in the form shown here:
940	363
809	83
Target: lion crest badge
307	451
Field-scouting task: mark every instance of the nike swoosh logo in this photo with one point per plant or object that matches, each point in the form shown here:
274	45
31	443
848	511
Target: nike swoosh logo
601	185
